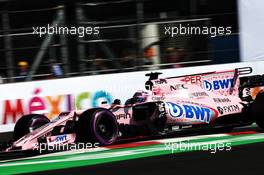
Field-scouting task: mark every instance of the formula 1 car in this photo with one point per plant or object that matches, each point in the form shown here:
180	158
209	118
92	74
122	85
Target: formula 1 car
214	100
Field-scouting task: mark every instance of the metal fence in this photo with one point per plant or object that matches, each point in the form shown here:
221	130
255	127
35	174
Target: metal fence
127	41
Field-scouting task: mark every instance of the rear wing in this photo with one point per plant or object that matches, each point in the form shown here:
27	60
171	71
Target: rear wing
221	83
240	71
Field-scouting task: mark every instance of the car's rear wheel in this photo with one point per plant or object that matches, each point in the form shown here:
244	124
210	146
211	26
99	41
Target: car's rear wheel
97	126
258	109
28	123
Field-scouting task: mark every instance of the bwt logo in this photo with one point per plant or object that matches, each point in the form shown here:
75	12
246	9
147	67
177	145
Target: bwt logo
199	113
61	138
218	84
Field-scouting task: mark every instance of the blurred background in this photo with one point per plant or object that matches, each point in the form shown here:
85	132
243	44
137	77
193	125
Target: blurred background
132	37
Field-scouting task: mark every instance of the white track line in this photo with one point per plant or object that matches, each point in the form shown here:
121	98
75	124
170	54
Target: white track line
124	152
179	139
73	152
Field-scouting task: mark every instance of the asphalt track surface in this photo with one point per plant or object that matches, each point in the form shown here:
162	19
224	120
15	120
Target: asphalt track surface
151	157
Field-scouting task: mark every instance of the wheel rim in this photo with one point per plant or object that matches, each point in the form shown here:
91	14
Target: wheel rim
105	128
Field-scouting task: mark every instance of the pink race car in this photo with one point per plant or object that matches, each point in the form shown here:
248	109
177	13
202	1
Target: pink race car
208	100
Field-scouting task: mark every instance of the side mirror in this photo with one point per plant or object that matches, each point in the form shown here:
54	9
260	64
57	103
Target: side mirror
117	102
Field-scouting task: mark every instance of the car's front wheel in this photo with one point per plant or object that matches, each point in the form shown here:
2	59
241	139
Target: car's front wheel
28	123
97	126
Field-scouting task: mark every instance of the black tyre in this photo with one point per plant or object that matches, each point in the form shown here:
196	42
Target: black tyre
258	109
97	125
225	129
27	123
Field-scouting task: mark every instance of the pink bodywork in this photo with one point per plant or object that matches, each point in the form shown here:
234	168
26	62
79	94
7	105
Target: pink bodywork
200	94
30	141
191	90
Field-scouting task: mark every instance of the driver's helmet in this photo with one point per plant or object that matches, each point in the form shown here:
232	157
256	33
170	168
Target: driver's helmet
140	96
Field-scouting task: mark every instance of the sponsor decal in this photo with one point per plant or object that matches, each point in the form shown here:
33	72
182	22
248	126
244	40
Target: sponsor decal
228	109
198	94
186	126
61	138
221	100
199	113
177	87
161	81
124	116
192	79
157	98
158	91
218	84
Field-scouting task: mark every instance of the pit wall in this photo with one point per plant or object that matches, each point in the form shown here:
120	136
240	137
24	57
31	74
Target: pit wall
54	96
